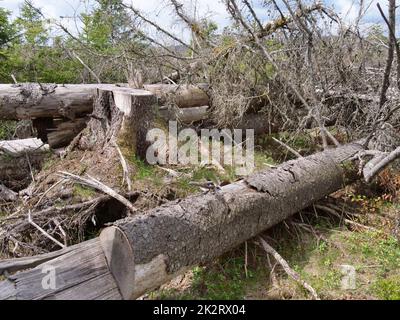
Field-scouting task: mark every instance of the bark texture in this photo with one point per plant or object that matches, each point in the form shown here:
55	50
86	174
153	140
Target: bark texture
123	116
147	250
27	101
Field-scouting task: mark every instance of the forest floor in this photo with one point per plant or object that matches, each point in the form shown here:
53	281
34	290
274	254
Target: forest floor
316	245
317	253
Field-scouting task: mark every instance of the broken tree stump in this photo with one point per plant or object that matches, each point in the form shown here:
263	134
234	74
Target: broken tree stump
140	253
123	116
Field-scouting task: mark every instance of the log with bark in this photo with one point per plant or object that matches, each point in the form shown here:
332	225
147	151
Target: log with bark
142	252
27	101
182	96
186	116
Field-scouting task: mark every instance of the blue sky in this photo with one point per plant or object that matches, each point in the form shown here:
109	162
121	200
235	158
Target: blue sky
160	11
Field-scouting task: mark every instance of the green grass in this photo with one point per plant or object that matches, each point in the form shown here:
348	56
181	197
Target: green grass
387	289
375	256
83	192
7	129
143	170
262	159
224	280
377	248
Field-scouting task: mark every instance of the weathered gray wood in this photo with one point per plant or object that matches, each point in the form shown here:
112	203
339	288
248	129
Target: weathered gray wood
186	116
201	228
7	290
81	273
167	240
7	194
14	265
183	96
27	101
17	148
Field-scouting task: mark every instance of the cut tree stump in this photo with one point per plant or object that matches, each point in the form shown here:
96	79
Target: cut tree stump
123	116
140	253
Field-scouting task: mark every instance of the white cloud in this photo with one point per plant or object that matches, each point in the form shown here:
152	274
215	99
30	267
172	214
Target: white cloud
161	11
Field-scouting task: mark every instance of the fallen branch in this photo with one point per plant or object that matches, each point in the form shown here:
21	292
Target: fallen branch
42	231
125	169
96	184
379	163
346	221
290	149
291	273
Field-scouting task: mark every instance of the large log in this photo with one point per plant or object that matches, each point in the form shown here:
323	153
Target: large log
185	116
142	252
183	96
65	131
27	101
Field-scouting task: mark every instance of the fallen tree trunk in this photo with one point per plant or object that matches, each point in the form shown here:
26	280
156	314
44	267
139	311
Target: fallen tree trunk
140	253
27	101
182	96
65	131
186	116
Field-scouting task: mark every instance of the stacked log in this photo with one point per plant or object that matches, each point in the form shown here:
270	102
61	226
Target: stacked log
60	112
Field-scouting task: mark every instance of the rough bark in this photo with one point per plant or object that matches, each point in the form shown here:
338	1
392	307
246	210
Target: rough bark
28	101
122	116
140	253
